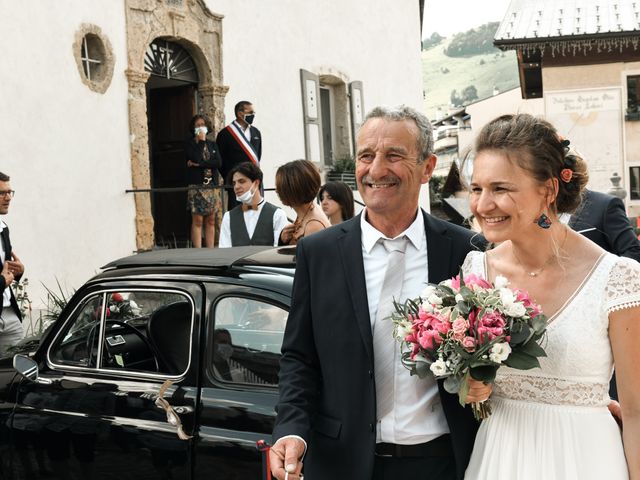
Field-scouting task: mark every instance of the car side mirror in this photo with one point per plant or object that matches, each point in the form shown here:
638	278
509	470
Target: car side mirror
28	368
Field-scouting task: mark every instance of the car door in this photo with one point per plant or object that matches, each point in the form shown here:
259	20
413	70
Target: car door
98	417
244	329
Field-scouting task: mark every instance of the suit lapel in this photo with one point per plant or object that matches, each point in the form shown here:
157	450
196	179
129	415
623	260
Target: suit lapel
350	246
438	250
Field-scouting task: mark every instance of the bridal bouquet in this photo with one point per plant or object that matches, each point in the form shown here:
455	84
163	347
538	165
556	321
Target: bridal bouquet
467	328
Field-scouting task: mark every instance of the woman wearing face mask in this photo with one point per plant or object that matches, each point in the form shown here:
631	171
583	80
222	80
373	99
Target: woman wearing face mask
297	185
203	164
254	221
336	200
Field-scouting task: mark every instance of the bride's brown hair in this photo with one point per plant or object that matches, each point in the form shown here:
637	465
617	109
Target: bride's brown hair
534	144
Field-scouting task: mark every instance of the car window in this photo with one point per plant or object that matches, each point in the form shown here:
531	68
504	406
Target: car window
246	340
78	344
144	331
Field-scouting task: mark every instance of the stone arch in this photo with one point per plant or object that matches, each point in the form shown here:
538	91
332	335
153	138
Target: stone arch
192	25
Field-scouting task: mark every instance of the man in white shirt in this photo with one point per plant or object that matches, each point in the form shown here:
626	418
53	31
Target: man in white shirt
11	330
254	221
343	391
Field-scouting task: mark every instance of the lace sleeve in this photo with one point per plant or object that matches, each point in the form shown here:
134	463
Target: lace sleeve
473	263
623	288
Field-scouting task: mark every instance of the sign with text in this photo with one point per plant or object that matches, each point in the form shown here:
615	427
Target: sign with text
592	121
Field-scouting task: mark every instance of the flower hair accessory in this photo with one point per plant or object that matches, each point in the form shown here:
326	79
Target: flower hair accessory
566	174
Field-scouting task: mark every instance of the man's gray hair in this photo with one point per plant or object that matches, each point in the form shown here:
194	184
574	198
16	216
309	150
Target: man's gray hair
403	112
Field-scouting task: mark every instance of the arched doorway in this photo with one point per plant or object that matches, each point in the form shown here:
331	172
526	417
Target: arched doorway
171	103
195	28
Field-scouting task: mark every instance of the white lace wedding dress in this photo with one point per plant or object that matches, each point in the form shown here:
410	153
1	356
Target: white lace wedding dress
552	423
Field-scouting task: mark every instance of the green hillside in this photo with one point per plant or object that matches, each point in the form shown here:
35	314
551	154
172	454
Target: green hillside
442	74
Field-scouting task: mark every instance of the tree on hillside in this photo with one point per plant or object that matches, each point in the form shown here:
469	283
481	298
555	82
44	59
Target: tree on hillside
469	94
456	101
473	42
433	40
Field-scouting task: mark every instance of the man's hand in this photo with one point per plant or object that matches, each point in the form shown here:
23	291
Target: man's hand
15	265
287	233
285	457
192	164
7	274
616	411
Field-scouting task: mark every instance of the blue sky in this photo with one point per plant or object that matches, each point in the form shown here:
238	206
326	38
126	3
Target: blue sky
452	16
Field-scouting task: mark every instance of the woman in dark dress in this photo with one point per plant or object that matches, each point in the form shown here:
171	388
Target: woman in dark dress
203	164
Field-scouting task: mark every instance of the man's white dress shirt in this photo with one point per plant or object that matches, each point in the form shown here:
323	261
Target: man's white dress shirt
417	416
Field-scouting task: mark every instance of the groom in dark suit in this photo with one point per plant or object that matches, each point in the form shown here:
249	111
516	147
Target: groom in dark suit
336	379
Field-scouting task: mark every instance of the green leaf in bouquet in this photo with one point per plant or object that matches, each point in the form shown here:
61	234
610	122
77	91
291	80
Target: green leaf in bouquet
464	390
532	348
454	315
539	323
452	384
521	361
466	293
486	374
463	308
422	367
520	333
443	290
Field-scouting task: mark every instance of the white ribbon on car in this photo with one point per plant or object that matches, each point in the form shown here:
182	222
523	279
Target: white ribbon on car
172	416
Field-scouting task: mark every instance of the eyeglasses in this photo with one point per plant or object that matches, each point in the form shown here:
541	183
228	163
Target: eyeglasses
7	193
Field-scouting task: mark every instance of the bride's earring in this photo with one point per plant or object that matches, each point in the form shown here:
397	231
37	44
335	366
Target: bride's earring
543	221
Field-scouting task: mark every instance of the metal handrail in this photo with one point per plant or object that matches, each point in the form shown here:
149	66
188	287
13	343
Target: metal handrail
198	187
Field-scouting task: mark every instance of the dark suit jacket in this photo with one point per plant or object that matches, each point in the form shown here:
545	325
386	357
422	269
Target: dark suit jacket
232	153
607	215
6	245
327	391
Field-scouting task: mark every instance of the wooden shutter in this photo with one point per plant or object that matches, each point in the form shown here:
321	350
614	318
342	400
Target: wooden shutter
311	114
357	109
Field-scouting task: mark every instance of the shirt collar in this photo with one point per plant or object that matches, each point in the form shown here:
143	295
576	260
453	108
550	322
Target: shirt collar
371	235
2	225
240	126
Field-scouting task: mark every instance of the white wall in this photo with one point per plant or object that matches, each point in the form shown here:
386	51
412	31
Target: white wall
67	148
64	146
265	44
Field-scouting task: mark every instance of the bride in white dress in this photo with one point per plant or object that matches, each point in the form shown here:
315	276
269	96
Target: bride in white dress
552	423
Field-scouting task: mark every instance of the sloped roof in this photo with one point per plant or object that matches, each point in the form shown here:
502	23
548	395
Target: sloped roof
609	24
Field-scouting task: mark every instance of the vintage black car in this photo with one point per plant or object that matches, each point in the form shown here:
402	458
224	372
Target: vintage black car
165	365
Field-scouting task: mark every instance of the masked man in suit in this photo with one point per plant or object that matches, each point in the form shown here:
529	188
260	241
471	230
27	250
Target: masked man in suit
346	402
11	331
239	142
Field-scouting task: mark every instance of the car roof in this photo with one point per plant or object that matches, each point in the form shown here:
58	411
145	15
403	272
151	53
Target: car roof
259	256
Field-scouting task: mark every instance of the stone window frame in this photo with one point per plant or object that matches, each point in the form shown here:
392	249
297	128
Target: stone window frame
100	83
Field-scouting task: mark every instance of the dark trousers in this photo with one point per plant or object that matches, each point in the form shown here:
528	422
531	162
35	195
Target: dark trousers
422	468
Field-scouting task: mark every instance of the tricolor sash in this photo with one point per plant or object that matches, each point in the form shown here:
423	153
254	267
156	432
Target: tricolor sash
238	134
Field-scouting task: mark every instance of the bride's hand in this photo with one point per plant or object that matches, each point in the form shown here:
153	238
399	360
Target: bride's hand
478	391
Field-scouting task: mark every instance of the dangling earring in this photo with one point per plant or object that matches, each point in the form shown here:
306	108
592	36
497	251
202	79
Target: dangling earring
543	221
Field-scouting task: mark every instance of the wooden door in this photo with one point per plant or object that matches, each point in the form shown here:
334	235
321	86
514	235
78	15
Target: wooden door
169	112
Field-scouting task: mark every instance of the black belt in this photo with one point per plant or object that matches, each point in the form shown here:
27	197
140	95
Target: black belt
440	447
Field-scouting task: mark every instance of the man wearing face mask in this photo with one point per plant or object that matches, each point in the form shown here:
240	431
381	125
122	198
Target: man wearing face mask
239	142
254	221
